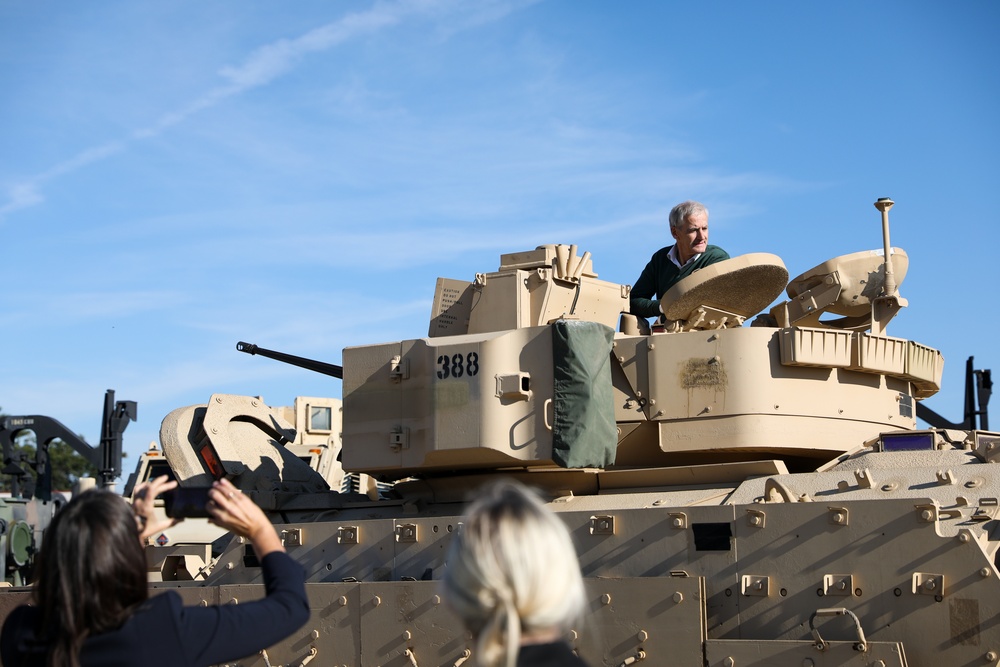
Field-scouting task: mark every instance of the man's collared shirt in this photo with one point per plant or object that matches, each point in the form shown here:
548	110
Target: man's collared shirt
677	261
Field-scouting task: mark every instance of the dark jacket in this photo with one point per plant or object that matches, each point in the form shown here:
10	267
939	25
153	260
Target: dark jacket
164	633
661	274
557	654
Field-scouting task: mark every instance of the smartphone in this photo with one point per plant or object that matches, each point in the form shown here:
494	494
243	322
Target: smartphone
186	502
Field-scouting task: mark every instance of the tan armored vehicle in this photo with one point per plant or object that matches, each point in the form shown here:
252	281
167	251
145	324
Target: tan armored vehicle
186	550
741	490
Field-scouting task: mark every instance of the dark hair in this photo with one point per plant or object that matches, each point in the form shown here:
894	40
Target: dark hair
91	573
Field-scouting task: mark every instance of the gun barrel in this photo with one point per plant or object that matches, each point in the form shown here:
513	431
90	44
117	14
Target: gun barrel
309	364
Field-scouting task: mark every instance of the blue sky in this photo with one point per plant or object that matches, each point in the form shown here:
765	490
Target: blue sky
176	177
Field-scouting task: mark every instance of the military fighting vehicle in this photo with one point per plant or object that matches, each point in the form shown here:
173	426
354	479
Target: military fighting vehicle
185	551
745	484
32	502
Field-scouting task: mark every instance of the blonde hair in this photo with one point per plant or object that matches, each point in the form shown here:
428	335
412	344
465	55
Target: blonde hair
512	571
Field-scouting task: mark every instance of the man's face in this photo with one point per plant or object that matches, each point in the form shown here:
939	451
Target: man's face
691	236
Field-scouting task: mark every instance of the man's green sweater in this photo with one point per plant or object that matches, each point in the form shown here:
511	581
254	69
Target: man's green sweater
661	274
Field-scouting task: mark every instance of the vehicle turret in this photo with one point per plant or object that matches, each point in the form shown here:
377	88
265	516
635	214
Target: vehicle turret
517	359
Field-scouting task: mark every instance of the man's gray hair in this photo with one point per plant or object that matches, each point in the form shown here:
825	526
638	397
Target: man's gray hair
680	213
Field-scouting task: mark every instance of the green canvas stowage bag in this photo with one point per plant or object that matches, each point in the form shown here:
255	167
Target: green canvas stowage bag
584	432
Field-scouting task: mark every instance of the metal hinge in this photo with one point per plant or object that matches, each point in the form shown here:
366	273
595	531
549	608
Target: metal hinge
292	537
399	369
406	532
399	438
347	535
755	585
928	583
602	524
838	584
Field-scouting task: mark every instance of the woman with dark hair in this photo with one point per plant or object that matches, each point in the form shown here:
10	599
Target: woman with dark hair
92	606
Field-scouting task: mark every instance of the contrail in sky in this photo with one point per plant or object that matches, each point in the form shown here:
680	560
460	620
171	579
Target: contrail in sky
261	67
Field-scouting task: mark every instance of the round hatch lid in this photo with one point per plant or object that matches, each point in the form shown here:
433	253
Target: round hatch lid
743	285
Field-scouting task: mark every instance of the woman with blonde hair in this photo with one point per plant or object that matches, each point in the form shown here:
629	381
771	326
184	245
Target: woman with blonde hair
513	577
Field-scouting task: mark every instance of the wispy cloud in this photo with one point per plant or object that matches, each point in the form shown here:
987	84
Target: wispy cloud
21	195
28	193
79	306
261	67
